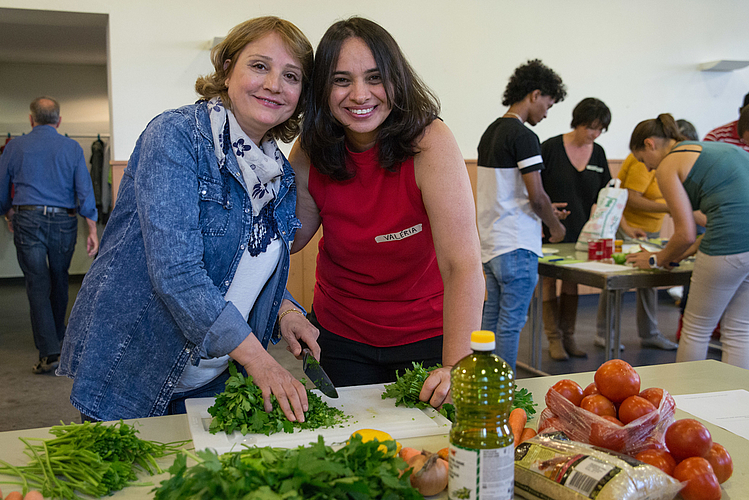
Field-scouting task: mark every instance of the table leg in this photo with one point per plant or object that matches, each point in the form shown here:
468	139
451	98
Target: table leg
536	326
617	323
608	296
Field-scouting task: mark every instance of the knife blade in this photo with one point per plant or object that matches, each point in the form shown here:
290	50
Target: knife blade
316	374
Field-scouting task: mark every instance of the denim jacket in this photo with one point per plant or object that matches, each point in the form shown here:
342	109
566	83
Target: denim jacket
154	297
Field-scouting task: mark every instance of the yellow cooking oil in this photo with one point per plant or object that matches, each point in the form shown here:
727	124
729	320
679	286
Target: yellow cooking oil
481	442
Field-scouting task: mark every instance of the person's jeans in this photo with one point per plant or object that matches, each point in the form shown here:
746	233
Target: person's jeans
44	247
510	281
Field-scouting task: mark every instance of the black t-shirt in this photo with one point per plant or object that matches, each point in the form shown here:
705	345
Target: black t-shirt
564	183
507	143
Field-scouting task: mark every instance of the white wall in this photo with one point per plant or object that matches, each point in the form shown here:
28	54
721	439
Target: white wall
639	56
81	91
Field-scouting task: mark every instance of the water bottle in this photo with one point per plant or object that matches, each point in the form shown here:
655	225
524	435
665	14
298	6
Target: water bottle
482	465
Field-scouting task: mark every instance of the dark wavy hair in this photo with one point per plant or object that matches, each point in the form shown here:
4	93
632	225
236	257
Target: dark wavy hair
687	129
214	85
533	75
663	127
743	125
413	105
591	111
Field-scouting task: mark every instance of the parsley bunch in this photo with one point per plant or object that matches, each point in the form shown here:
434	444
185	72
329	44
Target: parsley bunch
89	458
407	387
358	470
240	407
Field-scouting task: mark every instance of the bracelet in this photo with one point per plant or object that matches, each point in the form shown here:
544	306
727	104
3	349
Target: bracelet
287	311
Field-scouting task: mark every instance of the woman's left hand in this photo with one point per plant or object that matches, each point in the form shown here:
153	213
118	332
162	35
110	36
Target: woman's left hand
436	388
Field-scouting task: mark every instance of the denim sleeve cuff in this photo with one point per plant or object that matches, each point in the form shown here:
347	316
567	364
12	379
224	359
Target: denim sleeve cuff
226	333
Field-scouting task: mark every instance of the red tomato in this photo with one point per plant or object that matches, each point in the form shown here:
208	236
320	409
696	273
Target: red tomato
658	458
613	420
617	380
633	408
700	478
550	424
590	390
688	438
598	404
570	389
653	394
608	436
721	462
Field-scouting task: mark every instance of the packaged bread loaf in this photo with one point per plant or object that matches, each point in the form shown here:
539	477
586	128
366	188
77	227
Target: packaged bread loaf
552	466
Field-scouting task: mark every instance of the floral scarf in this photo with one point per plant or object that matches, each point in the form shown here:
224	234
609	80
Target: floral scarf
261	166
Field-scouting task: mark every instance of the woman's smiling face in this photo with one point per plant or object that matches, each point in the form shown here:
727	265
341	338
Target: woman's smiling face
264	85
358	98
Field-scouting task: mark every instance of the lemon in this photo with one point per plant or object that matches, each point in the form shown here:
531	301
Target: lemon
381	436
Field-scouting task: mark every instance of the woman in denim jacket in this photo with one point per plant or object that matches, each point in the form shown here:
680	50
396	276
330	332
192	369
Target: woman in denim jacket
194	261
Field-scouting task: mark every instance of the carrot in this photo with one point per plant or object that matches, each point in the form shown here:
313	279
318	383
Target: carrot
518	419
528	433
406	453
444	453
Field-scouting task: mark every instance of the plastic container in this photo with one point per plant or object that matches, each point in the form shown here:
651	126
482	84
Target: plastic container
481	441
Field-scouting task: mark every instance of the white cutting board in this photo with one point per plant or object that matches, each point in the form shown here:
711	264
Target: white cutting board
364	403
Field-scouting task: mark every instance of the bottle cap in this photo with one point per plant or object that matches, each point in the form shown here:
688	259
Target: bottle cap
482	340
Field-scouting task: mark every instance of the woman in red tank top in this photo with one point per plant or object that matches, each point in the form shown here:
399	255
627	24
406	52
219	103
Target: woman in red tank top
399	274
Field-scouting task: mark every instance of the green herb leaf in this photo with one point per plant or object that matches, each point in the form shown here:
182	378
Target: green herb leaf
407	387
240	407
357	470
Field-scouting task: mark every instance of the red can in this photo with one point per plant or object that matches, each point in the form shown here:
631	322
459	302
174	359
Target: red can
609	250
592	249
596	249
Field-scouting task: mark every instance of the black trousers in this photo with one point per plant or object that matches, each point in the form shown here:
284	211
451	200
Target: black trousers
348	362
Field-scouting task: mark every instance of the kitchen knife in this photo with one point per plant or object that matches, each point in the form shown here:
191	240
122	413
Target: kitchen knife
315	372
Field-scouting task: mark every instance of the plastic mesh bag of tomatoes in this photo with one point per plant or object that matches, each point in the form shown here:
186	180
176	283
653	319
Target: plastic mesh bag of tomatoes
581	425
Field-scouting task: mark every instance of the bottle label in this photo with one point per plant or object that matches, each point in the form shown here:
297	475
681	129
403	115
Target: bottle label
481	474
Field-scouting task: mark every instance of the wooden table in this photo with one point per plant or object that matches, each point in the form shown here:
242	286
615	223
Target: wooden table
612	284
677	378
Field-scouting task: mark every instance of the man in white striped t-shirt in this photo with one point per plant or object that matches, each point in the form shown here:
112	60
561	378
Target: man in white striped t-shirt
512	203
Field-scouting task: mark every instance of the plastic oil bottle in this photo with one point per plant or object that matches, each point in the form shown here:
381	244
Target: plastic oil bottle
482	465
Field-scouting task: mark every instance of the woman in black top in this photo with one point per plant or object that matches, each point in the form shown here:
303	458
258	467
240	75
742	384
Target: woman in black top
575	171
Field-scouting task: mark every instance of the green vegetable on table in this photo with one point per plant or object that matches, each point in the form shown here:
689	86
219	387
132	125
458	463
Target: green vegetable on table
407	387
357	470
90	458
240	407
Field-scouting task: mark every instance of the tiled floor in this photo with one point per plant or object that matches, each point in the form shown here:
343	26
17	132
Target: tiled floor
28	400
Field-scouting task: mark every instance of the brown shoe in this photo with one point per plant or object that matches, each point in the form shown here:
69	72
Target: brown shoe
569	345
556	350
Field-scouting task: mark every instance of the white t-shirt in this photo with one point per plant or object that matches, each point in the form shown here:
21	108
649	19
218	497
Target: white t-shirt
506	221
250	278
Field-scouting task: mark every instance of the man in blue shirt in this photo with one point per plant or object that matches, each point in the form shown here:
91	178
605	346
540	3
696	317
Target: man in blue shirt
50	180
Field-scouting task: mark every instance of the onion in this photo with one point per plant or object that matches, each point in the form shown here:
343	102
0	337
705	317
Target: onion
429	474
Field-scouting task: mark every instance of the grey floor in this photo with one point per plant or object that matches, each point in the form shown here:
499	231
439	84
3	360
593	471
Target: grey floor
28	400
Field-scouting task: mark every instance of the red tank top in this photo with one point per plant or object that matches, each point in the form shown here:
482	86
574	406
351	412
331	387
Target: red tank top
377	275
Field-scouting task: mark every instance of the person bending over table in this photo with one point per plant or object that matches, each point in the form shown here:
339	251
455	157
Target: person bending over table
194	261
576	170
398	269
713	178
